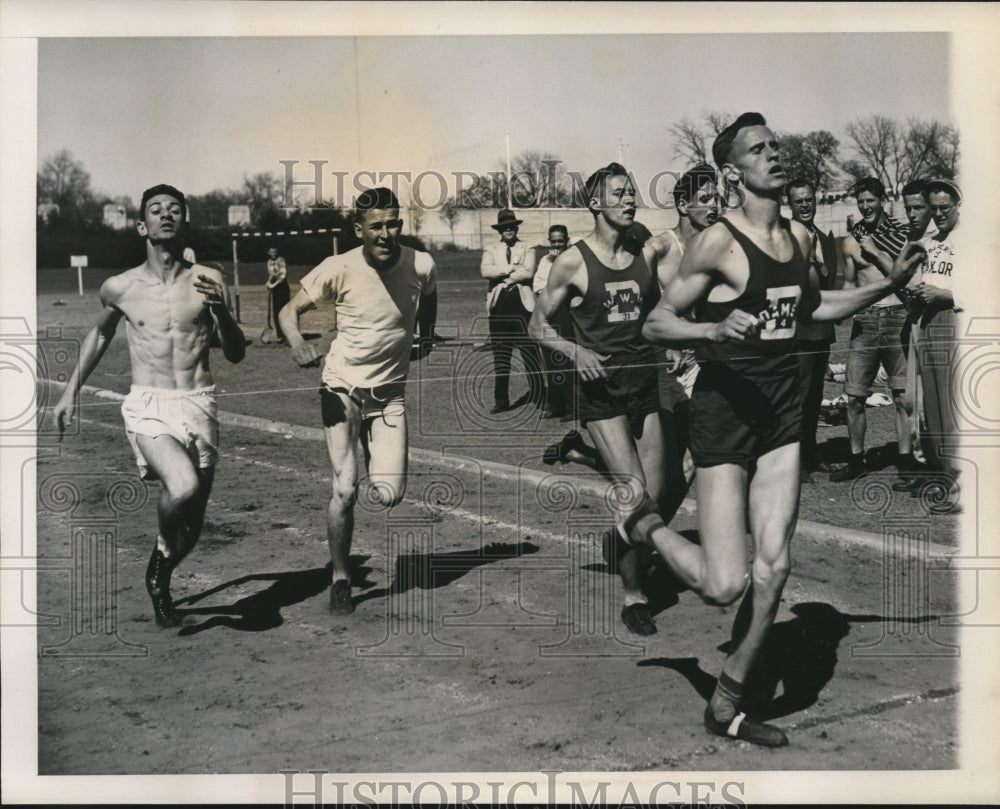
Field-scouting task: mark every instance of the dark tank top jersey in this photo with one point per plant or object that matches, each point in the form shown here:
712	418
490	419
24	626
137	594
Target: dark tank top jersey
609	318
779	292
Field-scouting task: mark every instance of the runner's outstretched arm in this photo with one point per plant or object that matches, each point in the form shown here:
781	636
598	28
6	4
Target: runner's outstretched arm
304	353
838	303
91	351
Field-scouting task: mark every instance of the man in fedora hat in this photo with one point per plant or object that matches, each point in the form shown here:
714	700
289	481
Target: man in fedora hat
509	266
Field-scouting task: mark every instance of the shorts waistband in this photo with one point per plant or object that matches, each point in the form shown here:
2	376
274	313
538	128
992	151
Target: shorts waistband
179	392
376	391
874	309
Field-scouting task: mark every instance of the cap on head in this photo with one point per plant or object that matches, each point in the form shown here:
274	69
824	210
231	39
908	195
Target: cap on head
948	186
723	143
691	180
873	185
155	191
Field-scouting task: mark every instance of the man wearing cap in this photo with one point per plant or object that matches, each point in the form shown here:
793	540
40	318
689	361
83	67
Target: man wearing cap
509	266
815	339
876	335
937	326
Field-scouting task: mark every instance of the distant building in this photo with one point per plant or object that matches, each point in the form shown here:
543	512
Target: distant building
239	216
46	210
115	216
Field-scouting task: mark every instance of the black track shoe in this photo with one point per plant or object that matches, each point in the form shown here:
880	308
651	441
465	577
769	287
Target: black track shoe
158	586
746	730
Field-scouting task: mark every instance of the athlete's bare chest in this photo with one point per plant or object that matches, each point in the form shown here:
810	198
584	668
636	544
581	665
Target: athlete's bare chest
164	306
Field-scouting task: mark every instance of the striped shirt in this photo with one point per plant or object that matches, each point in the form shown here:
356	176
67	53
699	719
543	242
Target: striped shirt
890	235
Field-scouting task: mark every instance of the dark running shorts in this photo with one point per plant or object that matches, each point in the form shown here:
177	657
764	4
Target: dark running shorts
630	390
737	419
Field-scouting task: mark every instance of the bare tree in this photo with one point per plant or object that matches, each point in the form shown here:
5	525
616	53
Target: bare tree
812	157
881	147
264	191
855	170
693	139
449	214
932	150
689	141
212	209
484	192
416	214
715	122
537	179
62	179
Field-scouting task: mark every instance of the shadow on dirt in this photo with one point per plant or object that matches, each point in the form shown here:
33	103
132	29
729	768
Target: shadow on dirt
260	611
800	656
426	571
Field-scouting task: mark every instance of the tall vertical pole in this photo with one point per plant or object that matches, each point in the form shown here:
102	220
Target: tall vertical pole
236	278
508	171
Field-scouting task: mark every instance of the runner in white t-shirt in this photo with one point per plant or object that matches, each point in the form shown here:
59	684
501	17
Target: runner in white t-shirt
379	292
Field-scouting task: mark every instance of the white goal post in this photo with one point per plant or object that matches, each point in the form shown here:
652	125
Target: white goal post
259	234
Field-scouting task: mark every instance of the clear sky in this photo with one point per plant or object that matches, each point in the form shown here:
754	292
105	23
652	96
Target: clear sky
201	113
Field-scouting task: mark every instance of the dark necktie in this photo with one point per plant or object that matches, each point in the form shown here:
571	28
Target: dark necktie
508	254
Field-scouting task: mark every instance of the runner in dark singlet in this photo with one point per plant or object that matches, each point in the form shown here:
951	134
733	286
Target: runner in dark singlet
609	320
746	281
616	371
746	400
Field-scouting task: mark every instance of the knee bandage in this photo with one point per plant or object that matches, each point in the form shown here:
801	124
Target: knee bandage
642	522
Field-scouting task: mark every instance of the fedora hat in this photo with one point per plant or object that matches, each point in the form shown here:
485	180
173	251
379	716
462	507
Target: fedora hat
506	218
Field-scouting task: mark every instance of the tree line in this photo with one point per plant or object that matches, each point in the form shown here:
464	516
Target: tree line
877	146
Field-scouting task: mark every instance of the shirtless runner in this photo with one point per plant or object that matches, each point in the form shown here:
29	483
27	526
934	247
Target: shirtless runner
172	308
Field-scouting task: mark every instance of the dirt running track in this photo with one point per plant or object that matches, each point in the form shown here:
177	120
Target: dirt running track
486	635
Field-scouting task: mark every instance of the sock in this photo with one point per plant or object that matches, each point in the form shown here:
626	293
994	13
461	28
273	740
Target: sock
161	546
726	698
857	458
905	461
635	599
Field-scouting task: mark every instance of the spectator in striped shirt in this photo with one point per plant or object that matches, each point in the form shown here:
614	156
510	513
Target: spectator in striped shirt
869	252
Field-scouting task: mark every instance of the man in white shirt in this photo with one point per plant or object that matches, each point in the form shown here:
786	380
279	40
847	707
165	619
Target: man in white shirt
509	266
938	310
379	291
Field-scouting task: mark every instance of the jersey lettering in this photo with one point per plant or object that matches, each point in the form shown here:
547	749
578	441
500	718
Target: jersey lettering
777	321
623	301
